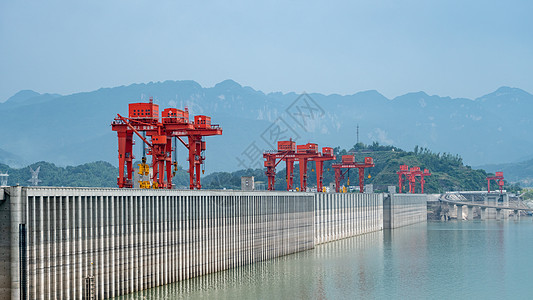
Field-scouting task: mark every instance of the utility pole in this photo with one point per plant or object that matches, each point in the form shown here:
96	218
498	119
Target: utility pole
357	133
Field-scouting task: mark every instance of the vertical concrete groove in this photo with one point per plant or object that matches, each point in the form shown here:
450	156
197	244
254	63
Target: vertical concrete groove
339	216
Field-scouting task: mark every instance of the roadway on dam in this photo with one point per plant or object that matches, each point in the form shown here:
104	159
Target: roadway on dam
446	198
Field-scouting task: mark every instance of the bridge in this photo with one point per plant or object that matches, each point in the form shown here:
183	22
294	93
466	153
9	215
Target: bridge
487	208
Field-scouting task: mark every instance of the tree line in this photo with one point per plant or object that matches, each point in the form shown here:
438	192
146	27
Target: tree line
448	172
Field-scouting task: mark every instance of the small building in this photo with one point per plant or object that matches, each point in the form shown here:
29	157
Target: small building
331	187
247	183
391	189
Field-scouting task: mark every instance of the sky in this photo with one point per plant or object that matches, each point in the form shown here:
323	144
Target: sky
449	48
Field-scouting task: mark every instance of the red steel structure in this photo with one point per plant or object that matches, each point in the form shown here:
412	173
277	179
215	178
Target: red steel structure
309	152
289	146
286	151
289	152
423	179
348	162
304	153
404	171
144	117
327	154
411	175
498	177
289	167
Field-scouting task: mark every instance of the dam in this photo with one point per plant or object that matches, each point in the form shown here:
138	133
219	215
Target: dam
96	243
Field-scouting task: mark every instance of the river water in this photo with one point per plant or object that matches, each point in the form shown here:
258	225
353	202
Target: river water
469	259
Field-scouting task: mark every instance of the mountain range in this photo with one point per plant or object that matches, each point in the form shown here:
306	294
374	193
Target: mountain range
520	172
75	129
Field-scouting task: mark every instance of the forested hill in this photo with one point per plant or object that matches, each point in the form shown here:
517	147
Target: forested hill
448	171
95	174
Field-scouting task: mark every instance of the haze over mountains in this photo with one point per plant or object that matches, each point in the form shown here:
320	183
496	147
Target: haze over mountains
520	172
75	129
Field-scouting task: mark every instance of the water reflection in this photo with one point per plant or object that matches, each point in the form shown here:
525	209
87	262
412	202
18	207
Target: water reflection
328	271
436	260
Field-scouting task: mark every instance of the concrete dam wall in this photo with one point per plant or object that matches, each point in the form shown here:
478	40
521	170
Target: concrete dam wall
339	216
59	243
404	209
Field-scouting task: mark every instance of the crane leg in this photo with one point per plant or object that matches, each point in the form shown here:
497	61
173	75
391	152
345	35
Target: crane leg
319	171
121	157
192	153
337	179
361	180
290	174
303	174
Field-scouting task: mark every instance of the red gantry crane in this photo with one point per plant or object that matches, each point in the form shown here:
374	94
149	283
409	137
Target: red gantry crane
423	179
348	162
303	154
327	154
286	151
289	152
413	172
498	177
143	120
196	145
411	175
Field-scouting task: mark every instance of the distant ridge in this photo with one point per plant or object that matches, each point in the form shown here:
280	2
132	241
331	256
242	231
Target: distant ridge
23	95
74	129
10	159
521	172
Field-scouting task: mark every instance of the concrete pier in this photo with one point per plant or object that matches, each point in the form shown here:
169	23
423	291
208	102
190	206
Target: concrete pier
491	199
459	212
497	199
505	202
11	215
470	213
